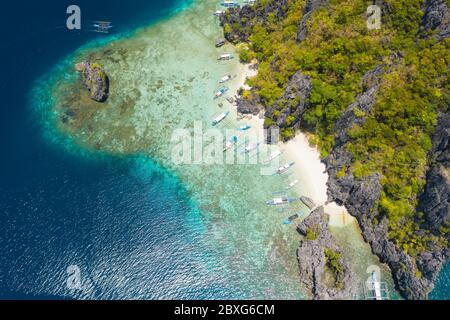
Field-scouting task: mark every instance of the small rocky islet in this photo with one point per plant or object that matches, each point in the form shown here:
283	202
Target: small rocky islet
95	80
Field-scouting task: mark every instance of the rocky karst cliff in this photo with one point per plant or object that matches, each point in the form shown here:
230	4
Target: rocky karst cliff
324	271
94	79
413	273
310	7
436	20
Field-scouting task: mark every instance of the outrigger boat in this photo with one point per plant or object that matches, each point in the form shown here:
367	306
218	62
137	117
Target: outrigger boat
274	155
225	56
220	43
233	140
292	184
101	26
218	13
291	218
220	118
250	2
220	92
280	201
229	4
244	127
285	167
226	78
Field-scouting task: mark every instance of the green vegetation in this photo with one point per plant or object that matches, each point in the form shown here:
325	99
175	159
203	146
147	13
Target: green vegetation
333	262
338	51
311	234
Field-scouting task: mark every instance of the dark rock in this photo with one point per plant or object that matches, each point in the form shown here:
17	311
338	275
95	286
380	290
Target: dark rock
435	200
238	22
311	6
95	80
293	102
313	261
436	19
248	106
414	277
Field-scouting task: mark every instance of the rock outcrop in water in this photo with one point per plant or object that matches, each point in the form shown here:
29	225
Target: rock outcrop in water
95	80
323	269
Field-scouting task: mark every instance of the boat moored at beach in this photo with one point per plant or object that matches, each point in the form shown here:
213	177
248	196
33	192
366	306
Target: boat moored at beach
274	155
218	13
220	92
220	43
285	168
280	201
220	118
229	4
225	57
226	78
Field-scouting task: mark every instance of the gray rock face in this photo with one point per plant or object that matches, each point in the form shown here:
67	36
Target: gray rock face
241	20
95	80
310	7
361	197
436	19
293	102
248	106
435	201
315	274
357	112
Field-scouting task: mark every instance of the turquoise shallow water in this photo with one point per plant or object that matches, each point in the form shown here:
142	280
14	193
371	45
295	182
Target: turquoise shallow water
221	244
148	228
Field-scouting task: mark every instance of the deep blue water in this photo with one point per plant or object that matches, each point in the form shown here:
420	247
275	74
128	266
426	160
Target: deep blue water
123	222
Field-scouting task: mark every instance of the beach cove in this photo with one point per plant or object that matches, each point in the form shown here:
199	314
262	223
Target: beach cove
163	78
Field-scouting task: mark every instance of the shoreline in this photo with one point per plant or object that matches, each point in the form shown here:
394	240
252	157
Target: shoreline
309	168
188	82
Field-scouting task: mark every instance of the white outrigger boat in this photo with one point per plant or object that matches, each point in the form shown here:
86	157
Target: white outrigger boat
292	184
226	78
274	155
220	118
280	201
218	13
285	167
225	57
233	140
229	4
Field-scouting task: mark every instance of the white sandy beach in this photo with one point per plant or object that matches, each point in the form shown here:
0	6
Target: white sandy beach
308	169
